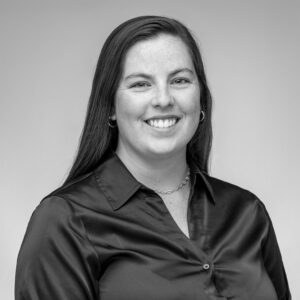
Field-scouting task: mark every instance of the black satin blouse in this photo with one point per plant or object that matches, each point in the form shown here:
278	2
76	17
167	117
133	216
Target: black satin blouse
108	237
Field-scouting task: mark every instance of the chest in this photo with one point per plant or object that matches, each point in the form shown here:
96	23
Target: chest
145	245
177	208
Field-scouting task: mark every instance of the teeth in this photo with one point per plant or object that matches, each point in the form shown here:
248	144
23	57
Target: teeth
162	123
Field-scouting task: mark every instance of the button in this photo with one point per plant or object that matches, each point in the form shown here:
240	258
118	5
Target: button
206	266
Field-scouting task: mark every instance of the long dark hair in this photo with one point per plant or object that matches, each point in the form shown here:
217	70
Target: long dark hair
97	138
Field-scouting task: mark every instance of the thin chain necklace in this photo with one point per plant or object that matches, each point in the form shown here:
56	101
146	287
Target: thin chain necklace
183	183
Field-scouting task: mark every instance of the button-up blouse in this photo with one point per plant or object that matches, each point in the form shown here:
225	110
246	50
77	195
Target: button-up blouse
109	237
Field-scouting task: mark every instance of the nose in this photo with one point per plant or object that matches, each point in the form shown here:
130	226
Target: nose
163	97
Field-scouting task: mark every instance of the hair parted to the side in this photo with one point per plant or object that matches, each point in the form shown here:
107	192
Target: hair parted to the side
97	138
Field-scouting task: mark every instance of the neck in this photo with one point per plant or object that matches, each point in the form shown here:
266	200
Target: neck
158	173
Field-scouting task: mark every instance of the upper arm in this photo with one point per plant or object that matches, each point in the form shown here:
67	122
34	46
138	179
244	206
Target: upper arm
272	257
56	260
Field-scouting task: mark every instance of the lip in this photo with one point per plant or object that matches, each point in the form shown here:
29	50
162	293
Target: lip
163	117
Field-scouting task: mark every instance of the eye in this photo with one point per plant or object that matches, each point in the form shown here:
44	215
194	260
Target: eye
140	84
180	81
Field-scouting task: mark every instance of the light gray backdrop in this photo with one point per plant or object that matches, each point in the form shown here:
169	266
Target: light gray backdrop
48	52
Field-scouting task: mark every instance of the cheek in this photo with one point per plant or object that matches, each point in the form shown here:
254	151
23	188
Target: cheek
128	107
195	117
192	107
192	110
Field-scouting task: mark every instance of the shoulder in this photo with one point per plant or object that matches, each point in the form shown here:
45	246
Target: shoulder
54	225
53	207
53	219
233	196
222	188
51	211
55	244
81	194
51	224
234	201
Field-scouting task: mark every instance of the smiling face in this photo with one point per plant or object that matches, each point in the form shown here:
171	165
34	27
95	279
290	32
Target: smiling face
157	103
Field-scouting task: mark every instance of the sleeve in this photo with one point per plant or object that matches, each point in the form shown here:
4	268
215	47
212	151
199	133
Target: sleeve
56	259
273	260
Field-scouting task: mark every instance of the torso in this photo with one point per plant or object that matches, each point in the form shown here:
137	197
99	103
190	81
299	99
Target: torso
141	241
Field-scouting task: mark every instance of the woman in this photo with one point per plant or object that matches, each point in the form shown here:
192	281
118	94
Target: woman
138	216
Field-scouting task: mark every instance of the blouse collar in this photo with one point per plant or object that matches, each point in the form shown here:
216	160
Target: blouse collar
119	185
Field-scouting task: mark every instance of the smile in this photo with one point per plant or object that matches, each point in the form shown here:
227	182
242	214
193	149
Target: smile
162	123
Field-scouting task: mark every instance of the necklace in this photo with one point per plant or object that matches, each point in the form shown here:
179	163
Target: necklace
180	186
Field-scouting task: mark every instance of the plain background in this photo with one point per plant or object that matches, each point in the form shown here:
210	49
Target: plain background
48	55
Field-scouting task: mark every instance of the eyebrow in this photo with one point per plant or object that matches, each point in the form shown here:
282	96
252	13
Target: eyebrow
148	76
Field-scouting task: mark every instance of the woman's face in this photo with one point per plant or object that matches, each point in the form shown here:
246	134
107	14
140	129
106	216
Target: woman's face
157	103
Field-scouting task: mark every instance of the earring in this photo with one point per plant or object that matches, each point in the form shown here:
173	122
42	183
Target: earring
111	122
202	116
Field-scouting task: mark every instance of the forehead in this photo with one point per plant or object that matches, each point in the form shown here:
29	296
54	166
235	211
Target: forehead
164	52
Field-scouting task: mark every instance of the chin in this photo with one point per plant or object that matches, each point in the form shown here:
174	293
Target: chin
168	150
